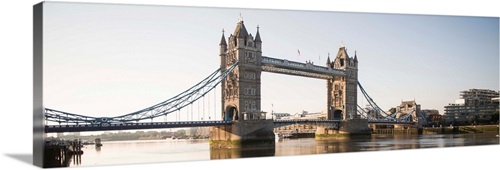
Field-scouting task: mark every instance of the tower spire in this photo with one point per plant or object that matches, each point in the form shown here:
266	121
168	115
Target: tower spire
328	60
355	56
257	37
223	39
240	31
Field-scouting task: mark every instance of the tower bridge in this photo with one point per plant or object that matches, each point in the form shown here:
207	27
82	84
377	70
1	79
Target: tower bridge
243	121
242	88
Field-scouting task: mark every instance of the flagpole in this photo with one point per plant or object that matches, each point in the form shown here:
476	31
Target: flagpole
298	54
272	111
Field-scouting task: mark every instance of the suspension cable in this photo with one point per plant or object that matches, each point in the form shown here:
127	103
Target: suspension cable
208	103
372	103
215	102
168	106
202	117
198	110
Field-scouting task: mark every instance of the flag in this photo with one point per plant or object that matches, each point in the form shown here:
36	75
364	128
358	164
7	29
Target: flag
298	51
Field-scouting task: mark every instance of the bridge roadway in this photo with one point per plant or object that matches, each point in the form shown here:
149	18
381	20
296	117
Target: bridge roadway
131	126
181	124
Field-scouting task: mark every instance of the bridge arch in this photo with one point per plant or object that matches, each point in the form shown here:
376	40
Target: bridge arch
337	115
231	113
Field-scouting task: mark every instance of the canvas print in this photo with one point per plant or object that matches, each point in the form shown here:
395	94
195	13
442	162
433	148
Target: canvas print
124	84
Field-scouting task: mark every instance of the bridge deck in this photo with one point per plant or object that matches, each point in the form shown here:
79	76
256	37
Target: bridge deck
131	126
161	125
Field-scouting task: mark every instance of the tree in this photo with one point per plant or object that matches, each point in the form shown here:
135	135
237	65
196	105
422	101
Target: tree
180	133
494	117
470	121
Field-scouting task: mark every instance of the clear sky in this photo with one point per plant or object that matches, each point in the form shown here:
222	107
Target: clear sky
109	60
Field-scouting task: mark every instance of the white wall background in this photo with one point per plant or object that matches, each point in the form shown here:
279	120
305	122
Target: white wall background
16	91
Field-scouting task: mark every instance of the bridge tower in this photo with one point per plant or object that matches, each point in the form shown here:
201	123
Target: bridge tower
342	91
241	94
241	89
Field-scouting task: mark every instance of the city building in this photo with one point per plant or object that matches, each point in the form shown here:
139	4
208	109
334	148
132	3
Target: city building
474	106
432	116
408	107
315	116
280	115
369	112
435	119
303	116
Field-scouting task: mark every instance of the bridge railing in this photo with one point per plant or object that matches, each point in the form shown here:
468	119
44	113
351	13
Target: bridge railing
302	120
130	126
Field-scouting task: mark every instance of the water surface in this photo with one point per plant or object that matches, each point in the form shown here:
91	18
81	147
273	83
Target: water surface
155	151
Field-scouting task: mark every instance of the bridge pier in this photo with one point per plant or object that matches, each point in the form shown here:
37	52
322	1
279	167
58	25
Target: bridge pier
344	128
243	134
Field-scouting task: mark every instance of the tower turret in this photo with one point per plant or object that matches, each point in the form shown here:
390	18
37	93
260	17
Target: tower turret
258	41
223	44
240	34
222	51
355	57
328	61
341	60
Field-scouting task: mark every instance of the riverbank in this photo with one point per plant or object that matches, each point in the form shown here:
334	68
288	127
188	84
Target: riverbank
58	153
461	129
410	131
493	129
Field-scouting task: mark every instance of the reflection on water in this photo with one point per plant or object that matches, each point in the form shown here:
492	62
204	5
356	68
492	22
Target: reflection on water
153	151
241	153
145	151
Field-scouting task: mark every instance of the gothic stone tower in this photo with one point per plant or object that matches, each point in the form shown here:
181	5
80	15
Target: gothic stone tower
241	94
342	91
241	89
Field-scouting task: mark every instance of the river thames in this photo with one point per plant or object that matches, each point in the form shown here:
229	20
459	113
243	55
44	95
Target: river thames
169	150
